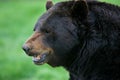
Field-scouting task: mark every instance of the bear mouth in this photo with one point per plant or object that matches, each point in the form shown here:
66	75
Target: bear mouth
40	59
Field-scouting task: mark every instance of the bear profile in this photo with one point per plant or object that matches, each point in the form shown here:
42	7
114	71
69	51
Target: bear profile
82	36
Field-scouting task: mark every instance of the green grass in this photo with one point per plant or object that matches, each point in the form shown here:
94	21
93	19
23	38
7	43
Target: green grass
17	19
116	2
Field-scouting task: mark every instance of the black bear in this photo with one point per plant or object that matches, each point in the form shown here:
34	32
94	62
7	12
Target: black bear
82	36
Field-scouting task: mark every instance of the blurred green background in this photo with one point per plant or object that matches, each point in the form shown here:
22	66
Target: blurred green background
17	19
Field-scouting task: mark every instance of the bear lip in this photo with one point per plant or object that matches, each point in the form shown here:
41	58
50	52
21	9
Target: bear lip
40	59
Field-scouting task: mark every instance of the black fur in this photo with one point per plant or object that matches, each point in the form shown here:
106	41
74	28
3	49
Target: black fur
85	37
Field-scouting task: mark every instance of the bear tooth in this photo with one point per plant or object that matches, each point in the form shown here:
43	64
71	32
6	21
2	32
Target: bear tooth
36	58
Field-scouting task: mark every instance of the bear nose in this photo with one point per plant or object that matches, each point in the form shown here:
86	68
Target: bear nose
26	48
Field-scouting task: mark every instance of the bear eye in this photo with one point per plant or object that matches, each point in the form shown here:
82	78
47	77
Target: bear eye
45	30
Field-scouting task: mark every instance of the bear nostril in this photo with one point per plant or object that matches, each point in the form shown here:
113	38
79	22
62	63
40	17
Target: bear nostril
26	48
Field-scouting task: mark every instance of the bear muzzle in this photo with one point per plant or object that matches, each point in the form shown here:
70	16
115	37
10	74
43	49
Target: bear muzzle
38	56
35	47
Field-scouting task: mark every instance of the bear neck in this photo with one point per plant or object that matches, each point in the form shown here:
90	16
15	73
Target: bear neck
89	70
91	62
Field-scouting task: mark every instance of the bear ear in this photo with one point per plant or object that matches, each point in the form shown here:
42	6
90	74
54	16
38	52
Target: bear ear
49	4
79	9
